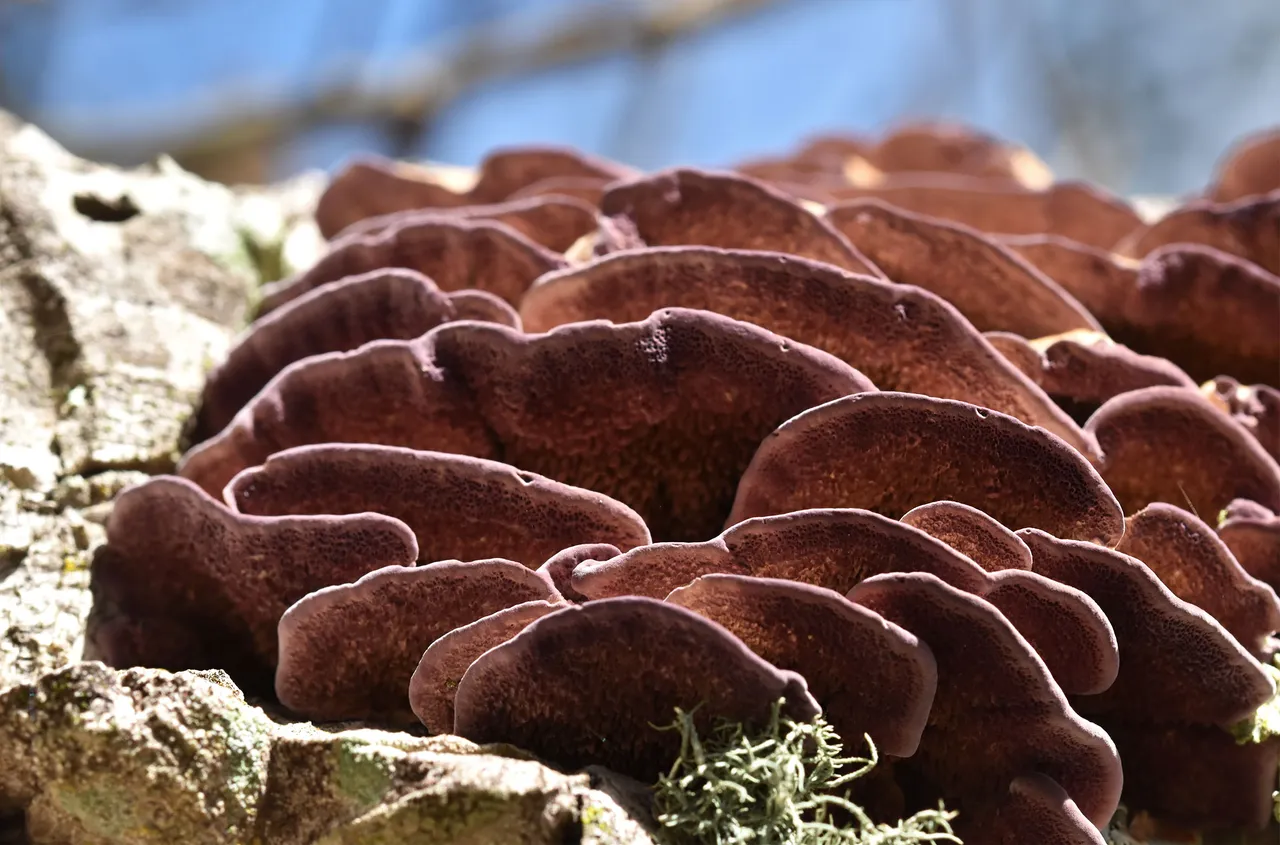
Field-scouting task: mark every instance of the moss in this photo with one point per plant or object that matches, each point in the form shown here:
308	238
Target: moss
363	773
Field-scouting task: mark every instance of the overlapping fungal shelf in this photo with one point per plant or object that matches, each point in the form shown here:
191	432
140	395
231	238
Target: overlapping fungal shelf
901	430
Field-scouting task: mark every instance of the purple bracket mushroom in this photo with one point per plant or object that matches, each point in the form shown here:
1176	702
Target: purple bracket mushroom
693	207
1252	533
560	566
394	304
1256	407
1248	228
891	452
587	189
1036	802
868	675
1198	568
900	337
972	533
349	651
662	415
1168	444
459	507
1250	168
435	681
455	253
997	715
991	286
1098	279
183	583
596	678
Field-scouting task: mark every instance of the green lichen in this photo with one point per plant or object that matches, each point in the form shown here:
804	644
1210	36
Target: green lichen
1264	724
783	785
363	774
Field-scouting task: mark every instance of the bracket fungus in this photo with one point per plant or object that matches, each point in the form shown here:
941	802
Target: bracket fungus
1252	533
1256	407
1250	168
891	452
998	714
1168	444
972	533
560	566
394	304
869	676
183	583
902	338
459	507
685	206
337	661
597	677
1039	803
1248	228
662	415
992	287
454	253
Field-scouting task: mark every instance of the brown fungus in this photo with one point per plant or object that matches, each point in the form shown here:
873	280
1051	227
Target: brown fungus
1248	228
560	566
1252	533
891	452
183	583
455	253
972	533
337	661
994	288
869	676
1095	277
1256	407
662	415
459	507
1250	168
1197	567
596	678
900	337
695	207
393	303
435	681
1037	803
1167	444
997	715
938	147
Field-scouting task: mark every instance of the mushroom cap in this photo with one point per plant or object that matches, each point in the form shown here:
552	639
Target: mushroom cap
891	452
1252	533
455	253
941	147
998	714
597	677
993	287
900	337
972	533
183	583
1035	809
1178	665
719	209
588	189
662	415
336	660
559	567
1248	228
459	507
391	303
434	682
869	676
1097	278
1251	167
1198	568
1169	444
552	220
1256	407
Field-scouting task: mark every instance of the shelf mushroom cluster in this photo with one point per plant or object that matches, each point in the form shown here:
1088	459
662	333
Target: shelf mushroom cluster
898	430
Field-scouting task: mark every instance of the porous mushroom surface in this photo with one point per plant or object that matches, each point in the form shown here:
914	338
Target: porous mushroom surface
597	676
891	452
971	532
901	337
1250	168
183	583
1252	533
560	566
1248	228
459	507
1256	407
662	415
337	661
1039	803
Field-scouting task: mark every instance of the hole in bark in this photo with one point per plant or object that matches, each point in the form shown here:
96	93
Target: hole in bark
116	210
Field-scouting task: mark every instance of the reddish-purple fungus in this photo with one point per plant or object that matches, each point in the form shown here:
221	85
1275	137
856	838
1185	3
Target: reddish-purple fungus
556	222
459	507
434	682
1256	407
1248	228
1097	278
662	415
891	452
1037	803
1178	665
560	566
587	189
183	583
596	678
694	207
902	338
337	660
1198	567
868	675
935	147
1168	444
455	253
997	715
393	304
972	533
1252	533
993	287
1250	168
